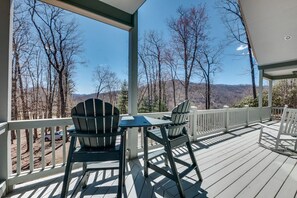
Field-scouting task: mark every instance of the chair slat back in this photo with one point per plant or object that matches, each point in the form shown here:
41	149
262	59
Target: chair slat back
289	122
179	117
94	116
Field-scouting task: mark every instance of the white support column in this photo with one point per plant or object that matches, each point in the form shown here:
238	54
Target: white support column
260	87
6	21
247	115
133	85
226	107
270	97
194	123
260	92
270	93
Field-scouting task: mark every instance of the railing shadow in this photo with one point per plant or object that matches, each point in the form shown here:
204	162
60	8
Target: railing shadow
211	140
52	187
100	184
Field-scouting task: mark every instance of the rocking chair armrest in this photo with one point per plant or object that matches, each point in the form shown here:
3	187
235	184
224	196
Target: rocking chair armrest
90	135
267	126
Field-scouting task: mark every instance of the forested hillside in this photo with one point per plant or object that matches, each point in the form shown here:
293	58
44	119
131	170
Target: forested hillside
221	95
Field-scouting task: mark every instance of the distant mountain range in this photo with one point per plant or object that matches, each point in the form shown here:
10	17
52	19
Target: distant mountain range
221	95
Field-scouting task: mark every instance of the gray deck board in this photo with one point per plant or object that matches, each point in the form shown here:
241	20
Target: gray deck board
233	189
232	165
254	187
275	183
289	187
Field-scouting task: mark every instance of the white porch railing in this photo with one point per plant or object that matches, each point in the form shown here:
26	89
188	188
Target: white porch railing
237	117
47	158
2	127
207	122
41	157
276	113
4	156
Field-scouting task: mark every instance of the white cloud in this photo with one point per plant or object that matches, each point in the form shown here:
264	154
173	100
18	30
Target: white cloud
241	47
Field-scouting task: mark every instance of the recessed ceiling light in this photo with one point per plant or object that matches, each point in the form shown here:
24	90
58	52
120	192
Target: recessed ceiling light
288	37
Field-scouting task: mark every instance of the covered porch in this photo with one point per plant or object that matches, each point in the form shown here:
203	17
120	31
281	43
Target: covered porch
231	161
232	164
214	133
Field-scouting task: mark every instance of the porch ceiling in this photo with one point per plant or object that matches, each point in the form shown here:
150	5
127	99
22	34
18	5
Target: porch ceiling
272	30
129	6
118	13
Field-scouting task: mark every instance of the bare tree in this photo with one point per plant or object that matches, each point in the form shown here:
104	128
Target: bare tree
149	72
233	20
21	56
152	59
170	62
142	87
48	89
35	72
106	81
188	32
60	42
209	64
156	51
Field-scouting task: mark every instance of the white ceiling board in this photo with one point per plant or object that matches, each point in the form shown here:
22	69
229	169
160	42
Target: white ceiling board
129	6
282	72
268	23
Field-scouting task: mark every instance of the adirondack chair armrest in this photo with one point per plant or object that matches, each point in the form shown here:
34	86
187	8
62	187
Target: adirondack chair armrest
166	117
83	134
268	127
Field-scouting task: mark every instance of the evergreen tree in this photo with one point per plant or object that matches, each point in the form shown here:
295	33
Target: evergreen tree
123	98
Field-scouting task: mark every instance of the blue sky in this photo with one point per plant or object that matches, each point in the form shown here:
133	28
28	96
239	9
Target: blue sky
107	45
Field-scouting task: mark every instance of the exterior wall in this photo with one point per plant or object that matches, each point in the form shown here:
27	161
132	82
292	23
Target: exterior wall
6	19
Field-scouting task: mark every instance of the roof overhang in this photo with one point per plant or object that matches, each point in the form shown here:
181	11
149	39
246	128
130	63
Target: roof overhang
272	31
280	71
118	13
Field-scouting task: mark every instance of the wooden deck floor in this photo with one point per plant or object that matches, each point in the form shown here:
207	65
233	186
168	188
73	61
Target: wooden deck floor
232	165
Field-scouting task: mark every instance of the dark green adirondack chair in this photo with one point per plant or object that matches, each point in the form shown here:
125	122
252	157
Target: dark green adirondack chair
173	136
96	128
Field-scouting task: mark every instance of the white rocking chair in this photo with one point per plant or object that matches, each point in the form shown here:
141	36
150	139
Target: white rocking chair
287	130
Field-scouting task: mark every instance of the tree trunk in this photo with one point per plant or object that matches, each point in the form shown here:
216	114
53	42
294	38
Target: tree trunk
186	89
155	91
174	92
67	90
164	96
62	97
160	89
252	69
50	93
23	101
160	82
208	93
58	110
